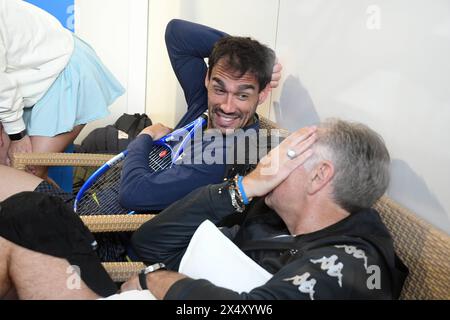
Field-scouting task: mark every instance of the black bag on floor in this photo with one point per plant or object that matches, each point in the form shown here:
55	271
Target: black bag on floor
115	138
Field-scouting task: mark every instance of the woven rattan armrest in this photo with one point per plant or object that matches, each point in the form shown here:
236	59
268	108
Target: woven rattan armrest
122	271
115	223
422	247
21	160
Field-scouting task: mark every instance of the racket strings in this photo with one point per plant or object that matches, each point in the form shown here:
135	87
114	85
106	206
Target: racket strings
160	158
102	198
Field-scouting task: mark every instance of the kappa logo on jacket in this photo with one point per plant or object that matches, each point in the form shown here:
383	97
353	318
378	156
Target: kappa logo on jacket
329	265
304	285
355	252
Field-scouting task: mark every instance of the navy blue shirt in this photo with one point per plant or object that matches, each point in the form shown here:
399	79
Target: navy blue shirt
142	189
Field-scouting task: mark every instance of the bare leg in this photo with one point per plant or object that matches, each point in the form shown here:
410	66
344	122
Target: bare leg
4	145
39	276
5	282
53	144
14	181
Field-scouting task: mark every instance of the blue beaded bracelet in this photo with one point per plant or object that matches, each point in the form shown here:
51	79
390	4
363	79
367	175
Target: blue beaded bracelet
242	191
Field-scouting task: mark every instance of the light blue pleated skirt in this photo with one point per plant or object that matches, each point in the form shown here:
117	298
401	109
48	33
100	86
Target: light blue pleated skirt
82	93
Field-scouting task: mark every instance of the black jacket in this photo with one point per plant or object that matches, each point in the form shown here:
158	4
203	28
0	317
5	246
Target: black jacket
352	259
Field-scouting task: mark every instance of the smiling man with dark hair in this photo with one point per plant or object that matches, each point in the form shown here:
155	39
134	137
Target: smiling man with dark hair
238	78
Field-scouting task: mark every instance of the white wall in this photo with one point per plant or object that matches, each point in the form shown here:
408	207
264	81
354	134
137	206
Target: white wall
165	100
384	63
117	30
162	87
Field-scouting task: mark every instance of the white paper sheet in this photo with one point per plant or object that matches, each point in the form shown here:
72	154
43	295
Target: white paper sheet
132	295
212	256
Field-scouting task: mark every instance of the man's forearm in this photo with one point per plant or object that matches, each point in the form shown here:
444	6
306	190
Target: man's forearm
159	282
188	39
187	45
164	238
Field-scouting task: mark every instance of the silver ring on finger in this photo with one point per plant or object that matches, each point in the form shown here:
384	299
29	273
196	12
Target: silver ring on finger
291	154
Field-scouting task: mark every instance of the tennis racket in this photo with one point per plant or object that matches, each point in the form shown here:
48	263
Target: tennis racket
100	193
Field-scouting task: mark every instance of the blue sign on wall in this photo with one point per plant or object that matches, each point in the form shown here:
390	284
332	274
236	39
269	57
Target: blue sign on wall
63	10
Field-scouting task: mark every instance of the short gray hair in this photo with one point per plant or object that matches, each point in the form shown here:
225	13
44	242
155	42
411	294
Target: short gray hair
361	162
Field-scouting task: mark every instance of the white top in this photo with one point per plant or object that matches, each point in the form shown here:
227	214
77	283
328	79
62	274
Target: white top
34	49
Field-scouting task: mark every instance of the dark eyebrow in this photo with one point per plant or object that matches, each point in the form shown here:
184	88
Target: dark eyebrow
219	82
242	87
246	87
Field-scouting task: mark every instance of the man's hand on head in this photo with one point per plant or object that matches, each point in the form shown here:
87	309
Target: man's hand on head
277	165
156	131
276	75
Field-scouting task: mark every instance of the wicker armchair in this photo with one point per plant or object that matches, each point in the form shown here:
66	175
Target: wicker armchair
423	248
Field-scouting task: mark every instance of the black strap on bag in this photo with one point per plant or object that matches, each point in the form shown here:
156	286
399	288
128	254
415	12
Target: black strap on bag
132	124
109	140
